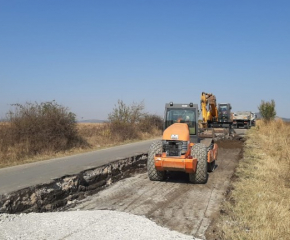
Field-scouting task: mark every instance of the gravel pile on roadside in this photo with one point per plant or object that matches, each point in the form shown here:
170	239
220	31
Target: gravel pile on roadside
98	224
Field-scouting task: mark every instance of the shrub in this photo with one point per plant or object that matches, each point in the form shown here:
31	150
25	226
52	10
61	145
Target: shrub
150	122
44	127
267	110
124	119
130	121
123	113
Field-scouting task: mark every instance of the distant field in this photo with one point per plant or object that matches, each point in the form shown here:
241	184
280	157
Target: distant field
83	125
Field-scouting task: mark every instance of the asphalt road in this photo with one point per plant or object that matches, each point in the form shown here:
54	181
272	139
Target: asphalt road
26	175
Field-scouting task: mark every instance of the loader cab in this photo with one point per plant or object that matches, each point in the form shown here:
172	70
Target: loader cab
182	113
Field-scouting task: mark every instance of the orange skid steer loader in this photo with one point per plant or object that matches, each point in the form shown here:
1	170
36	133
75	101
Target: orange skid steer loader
181	147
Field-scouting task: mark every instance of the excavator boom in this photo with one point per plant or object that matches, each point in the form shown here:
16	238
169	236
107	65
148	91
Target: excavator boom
208	108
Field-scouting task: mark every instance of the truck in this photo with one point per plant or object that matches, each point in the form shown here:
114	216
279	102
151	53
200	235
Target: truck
245	119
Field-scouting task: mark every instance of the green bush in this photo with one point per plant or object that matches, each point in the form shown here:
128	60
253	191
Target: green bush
267	110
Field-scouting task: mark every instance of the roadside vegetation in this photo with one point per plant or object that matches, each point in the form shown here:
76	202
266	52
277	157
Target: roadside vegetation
258	206
36	131
267	110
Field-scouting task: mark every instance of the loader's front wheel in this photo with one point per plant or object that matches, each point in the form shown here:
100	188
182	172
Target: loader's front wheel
199	151
153	173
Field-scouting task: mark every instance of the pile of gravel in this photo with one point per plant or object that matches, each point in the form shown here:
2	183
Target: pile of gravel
98	224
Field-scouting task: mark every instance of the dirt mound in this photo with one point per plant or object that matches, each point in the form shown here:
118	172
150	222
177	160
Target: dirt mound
230	144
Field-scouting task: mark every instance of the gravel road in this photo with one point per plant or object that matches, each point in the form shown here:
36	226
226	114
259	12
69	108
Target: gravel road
98	224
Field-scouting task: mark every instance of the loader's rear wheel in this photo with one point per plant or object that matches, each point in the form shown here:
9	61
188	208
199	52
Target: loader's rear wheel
154	175
199	151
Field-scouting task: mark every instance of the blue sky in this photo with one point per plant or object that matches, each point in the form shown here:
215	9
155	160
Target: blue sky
88	54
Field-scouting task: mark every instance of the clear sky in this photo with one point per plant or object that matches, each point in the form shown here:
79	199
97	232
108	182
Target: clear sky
88	54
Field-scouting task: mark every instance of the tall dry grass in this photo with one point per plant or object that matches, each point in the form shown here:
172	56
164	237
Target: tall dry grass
104	134
258	207
96	135
36	131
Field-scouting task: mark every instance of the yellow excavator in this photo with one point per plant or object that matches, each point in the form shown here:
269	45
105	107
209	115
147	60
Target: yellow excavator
213	115
209	109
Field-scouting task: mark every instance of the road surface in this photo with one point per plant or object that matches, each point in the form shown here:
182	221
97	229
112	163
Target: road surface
175	203
26	175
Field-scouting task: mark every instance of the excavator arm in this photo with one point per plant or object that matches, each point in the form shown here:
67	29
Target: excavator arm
209	108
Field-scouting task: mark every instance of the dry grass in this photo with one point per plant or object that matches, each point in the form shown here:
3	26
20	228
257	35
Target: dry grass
100	134
97	135
258	207
37	131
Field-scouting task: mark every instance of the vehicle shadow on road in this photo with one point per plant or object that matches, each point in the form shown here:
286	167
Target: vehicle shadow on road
180	177
177	177
216	167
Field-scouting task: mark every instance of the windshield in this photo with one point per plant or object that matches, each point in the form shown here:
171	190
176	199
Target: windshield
223	108
181	116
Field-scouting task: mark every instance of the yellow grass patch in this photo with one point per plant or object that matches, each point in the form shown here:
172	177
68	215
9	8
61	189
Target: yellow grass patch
258	207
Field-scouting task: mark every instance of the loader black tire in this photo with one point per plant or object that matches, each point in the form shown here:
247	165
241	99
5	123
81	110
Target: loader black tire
153	173
199	151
